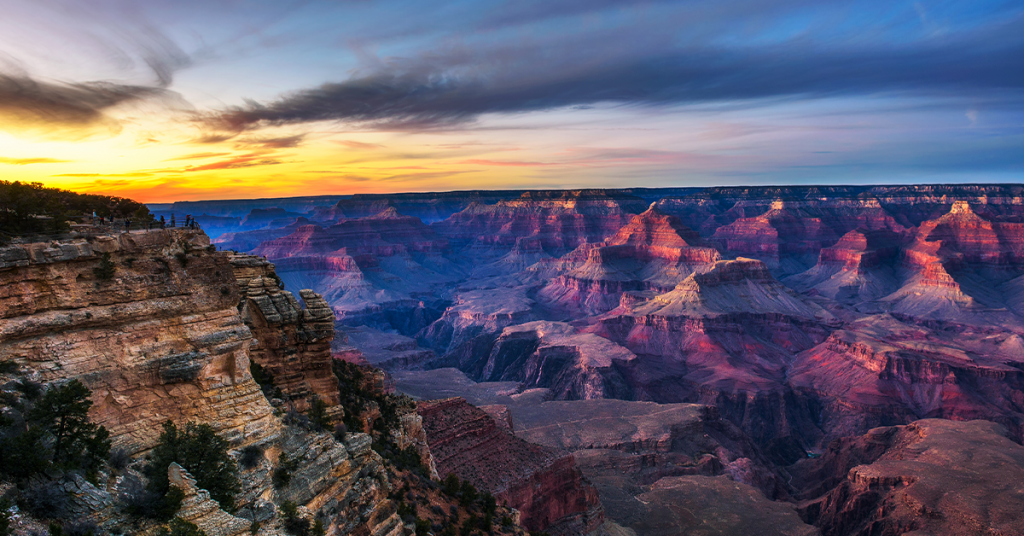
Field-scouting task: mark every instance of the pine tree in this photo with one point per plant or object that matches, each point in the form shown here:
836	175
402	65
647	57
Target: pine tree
201	452
64	412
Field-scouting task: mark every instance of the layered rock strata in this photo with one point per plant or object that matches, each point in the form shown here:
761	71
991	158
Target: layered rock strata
561	221
198	508
929	477
542	483
467	328
290	342
647	256
554	355
383	270
158	339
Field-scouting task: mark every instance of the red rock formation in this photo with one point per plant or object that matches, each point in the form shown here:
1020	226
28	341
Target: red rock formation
723	337
878	370
651	254
428	207
466	329
542	483
383	270
932	477
247	240
561	220
856	269
385	234
789	232
952	265
554	355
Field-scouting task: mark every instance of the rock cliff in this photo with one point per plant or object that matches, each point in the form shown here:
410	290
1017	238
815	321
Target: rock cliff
291	343
149	322
561	221
542	483
647	256
158	339
930	477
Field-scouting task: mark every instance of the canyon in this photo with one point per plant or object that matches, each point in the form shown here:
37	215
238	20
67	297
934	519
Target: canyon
775	360
797	316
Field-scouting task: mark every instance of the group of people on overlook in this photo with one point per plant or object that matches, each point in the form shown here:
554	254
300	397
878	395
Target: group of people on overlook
190	222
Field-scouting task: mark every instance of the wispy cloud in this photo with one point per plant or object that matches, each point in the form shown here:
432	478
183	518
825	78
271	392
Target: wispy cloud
196	156
72	109
27	161
352	144
505	163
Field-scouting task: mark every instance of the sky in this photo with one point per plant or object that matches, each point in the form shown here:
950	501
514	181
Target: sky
227	99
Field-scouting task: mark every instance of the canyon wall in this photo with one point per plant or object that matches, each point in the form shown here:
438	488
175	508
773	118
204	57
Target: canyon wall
150	323
159	339
542	483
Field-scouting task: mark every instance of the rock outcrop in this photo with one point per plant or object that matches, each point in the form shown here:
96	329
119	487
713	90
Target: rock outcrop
466	329
647	256
880	371
929	477
555	356
560	220
542	483
198	508
293	344
150	323
158	339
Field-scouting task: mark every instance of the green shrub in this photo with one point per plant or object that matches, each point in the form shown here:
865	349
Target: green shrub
450	485
490	504
317	414
468	493
283	473
293	523
77	443
106	268
469	525
5	517
251	456
55	432
180	527
201	452
34	208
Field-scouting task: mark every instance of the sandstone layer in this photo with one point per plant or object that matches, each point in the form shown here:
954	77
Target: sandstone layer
160	339
542	483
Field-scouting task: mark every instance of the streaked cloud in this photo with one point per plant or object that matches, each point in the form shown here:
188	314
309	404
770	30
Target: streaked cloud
27	161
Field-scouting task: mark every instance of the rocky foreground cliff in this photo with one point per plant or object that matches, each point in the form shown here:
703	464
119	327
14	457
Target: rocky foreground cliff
162	328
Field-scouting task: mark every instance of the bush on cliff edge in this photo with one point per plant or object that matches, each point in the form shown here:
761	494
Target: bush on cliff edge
201	452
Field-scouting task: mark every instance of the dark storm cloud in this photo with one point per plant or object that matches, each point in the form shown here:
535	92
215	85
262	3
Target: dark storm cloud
457	85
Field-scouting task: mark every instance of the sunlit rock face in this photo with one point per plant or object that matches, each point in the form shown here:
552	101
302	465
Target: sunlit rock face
160	339
647	256
560	220
291	342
